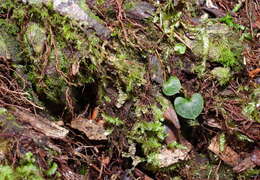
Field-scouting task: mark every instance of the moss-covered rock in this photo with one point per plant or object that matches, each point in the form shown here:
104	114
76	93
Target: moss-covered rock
36	37
9	46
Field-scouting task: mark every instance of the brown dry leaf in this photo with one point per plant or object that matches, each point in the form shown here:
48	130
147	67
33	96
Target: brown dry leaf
169	157
41	124
92	129
171	115
244	165
95	113
170	135
229	156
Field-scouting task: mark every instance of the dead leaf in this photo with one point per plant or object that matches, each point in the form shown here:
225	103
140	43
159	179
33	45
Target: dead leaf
229	156
169	157
95	113
170	135
245	164
92	129
41	124
171	115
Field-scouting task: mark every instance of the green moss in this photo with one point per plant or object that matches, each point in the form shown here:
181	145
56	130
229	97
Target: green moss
112	120
128	5
249	174
3	111
84	6
250	109
101	2
131	73
36	37
27	169
226	56
176	145
9	27
150	135
9	46
221	74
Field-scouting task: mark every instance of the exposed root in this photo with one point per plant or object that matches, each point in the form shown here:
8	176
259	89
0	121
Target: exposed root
11	94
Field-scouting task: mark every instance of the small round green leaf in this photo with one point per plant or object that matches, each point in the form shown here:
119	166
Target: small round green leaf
189	108
180	48
171	86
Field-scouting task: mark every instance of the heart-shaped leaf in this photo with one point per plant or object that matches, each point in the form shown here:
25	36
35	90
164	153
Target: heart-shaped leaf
171	86
189	108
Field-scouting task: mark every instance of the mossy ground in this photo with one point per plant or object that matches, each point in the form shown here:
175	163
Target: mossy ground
64	66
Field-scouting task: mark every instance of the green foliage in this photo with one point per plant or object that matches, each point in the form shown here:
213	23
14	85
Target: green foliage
172	86
227	57
7	173
250	109
112	120
9	46
222	142
217	43
150	135
36	37
151	144
152	160
180	48
228	19
100	2
189	108
131	73
176	145
129	5
249	174
26	170
9	27
243	137
52	170
3	111
157	113
221	74
225	50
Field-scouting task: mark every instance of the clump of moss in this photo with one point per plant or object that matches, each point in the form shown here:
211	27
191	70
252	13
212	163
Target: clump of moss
222	74
36	37
150	135
218	43
251	109
131	73
27	169
225	50
9	46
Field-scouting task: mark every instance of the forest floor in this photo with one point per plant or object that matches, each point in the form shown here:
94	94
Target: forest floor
114	89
